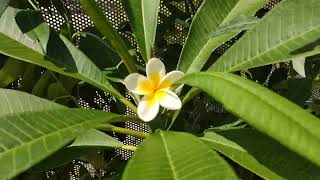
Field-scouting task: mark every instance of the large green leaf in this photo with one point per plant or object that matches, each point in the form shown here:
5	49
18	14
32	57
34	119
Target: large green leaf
210	16
29	137
270	113
96	138
178	156
261	154
143	18
290	30
61	55
13	101
112	36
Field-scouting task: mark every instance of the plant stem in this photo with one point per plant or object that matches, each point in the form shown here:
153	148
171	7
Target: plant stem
109	127
33	5
127	147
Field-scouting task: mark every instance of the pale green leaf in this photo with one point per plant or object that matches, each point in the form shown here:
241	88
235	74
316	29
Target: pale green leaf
96	138
298	66
210	16
265	110
290	30
261	154
61	55
143	18
29	137
103	25
176	156
13	101
3	5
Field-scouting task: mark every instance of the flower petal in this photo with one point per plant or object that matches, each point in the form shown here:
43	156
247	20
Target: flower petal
155	70
170	78
168	99
138	84
148	108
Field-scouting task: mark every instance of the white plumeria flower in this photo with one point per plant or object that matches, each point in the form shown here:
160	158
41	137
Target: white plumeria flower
155	89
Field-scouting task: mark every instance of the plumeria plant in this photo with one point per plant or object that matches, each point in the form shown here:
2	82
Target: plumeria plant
232	101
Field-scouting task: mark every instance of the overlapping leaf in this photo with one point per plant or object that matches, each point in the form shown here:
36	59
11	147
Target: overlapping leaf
210	16
95	138
261	155
290	30
60	56
176	156
13	101
112	36
265	110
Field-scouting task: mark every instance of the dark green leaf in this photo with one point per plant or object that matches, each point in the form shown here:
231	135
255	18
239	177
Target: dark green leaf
11	71
261	154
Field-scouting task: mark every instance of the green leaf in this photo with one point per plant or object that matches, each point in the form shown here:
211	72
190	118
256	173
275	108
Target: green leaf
176	155
29	137
210	17
290	30
11	71
3	6
298	66
61	56
13	101
143	18
112	36
265	110
236	25
97	139
261	154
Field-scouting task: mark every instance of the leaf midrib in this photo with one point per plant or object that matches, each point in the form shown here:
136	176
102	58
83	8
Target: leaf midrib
144	28
268	104
208	39
58	132
173	169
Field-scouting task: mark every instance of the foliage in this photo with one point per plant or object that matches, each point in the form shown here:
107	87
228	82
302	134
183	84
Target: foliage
250	113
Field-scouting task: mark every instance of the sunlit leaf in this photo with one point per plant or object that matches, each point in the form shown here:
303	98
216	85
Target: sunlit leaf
29	137
176	155
290	30
210	17
143	18
13	101
265	110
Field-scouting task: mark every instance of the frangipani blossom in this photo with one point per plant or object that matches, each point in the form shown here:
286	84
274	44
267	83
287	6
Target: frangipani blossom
155	89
